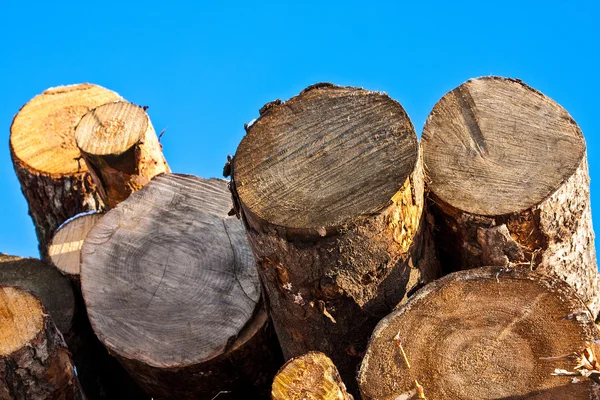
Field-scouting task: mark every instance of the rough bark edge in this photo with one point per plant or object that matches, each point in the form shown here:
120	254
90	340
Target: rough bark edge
328	294
53	198
41	370
555	237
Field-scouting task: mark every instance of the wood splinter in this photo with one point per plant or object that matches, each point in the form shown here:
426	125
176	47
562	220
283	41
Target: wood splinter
120	148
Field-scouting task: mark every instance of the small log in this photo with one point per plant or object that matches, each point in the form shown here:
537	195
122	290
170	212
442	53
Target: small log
47	162
120	149
485	333
65	247
46	283
34	360
310	376
509	183
172	291
330	187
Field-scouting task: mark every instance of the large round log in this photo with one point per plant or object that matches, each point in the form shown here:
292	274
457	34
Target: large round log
310	376
509	183
330	187
34	360
121	149
485	333
172	291
65	247
53	178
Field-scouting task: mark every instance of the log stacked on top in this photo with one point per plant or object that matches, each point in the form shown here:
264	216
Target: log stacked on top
330	187
53	178
509	181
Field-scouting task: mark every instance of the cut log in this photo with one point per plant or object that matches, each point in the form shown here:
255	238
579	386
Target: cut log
172	291
485	333
330	187
53	179
120	149
310	376
65	247
34	360
100	375
46	283
509	183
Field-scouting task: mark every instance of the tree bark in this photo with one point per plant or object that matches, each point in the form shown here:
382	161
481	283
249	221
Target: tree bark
54	181
120	149
65	248
34	360
310	376
509	183
99	374
485	333
330	187
172	291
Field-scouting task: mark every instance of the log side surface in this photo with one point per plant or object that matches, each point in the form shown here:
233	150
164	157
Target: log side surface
485	333
120	148
34	360
48	164
330	187
509	183
172	290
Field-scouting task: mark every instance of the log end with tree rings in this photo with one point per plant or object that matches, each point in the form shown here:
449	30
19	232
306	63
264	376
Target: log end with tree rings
53	176
172	291
508	177
120	148
330	187
484	333
34	360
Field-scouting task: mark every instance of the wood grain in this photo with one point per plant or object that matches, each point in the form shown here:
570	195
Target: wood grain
120	148
496	146
170	286
310	376
487	333
325	157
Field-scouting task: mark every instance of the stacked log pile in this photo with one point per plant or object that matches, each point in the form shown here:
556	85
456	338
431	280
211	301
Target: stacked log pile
460	268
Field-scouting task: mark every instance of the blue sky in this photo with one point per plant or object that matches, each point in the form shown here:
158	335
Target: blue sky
205	69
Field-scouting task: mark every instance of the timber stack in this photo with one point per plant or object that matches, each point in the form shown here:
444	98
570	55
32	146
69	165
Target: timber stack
343	260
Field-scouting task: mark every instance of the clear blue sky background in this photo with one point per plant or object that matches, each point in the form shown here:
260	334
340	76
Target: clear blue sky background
206	68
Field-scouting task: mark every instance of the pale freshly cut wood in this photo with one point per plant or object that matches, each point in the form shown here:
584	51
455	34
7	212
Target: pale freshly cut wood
330	187
65	248
46	159
508	177
310	376
48	284
485	333
120	148
171	289
34	360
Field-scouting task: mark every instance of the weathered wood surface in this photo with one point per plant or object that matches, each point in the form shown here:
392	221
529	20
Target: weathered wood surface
485	333
330	187
310	376
34	360
65	247
172	290
509	183
121	149
47	161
